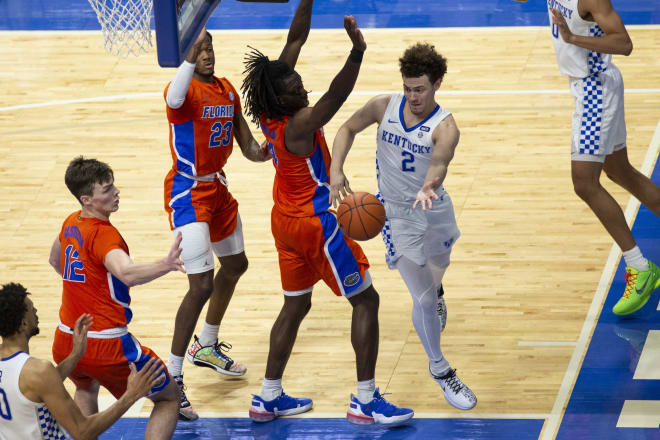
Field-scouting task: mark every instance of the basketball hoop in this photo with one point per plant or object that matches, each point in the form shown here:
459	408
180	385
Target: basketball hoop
125	25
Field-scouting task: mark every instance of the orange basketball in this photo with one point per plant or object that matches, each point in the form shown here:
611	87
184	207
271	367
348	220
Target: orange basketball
361	216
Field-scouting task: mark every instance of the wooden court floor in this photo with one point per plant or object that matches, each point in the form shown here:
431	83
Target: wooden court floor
525	269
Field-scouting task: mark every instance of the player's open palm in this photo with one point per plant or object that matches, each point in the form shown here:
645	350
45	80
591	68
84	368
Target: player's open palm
426	195
139	384
354	33
339	187
80	329
173	259
560	21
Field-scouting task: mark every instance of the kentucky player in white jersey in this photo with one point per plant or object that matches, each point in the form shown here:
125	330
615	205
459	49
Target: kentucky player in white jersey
585	34
34	404
416	139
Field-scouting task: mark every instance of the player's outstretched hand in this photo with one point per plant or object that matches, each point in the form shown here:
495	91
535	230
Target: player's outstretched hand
354	33
173	259
339	187
426	195
560	21
196	47
140	384
80	329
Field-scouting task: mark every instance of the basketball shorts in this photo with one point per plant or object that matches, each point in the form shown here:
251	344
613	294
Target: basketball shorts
599	126
418	234
197	249
189	201
314	248
106	360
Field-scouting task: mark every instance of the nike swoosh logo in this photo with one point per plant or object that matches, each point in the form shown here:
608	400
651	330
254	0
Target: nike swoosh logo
641	291
392	122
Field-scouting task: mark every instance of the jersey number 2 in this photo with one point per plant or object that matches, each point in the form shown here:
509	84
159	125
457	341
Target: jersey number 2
73	267
5	412
220	134
407	161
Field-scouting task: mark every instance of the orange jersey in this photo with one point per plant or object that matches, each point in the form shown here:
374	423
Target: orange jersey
302	185
88	287
202	129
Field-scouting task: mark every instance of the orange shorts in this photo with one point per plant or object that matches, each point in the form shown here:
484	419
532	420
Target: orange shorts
188	201
314	248
106	361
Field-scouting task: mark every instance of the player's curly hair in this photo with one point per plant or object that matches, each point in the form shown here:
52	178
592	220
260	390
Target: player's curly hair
263	82
12	308
420	59
82	174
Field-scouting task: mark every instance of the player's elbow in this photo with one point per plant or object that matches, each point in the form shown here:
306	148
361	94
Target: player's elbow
174	103
628	48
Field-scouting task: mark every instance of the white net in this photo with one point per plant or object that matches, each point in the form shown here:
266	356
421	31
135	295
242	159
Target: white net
125	25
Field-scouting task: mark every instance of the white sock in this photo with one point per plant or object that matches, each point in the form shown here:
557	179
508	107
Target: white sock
439	367
209	334
366	390
271	389
174	365
635	259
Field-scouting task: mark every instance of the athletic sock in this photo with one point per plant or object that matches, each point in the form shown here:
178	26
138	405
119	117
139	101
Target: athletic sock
271	389
635	259
366	390
174	365
209	334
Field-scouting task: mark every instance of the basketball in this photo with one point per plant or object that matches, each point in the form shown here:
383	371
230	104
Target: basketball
361	216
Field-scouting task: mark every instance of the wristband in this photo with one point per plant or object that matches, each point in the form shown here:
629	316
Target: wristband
356	55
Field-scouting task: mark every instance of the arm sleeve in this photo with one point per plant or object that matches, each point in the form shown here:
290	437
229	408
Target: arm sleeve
176	92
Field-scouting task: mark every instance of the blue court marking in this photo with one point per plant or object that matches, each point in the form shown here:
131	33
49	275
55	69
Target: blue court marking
78	15
605	379
335	429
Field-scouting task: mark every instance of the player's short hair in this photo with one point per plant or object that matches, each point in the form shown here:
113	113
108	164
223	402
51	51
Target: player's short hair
263	83
82	174
12	308
420	59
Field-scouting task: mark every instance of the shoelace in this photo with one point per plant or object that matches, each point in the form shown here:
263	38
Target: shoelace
182	388
454	382
631	280
381	399
223	346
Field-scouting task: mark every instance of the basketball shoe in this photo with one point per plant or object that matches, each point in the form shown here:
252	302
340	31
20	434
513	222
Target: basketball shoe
457	394
639	285
442	307
186	411
284	405
212	356
378	411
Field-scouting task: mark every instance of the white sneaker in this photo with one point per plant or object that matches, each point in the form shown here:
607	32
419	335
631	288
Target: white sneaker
457	394
442	307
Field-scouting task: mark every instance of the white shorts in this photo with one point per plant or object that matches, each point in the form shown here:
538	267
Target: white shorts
599	126
197	249
419	234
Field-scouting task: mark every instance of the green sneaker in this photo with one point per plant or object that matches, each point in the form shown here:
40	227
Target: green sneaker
639	286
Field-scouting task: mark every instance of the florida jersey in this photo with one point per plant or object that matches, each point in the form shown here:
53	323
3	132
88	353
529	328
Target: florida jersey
88	287
302	184
202	129
573	60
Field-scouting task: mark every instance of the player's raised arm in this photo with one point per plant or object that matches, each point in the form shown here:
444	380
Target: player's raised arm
298	32
616	39
119	264
445	139
372	112
176	91
310	119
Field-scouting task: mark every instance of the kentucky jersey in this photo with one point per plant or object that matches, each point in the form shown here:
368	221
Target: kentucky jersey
573	60
88	287
202	129
22	418
404	153
302	186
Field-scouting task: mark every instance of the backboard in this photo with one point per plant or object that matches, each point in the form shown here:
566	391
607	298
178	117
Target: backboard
178	23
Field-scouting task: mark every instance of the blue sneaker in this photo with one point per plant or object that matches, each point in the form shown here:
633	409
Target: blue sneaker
284	405
378	411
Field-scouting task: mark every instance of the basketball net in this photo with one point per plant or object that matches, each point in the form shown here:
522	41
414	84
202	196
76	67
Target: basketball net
125	25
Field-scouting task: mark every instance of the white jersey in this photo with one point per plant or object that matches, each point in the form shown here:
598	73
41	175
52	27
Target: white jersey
404	153
21	418
575	61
